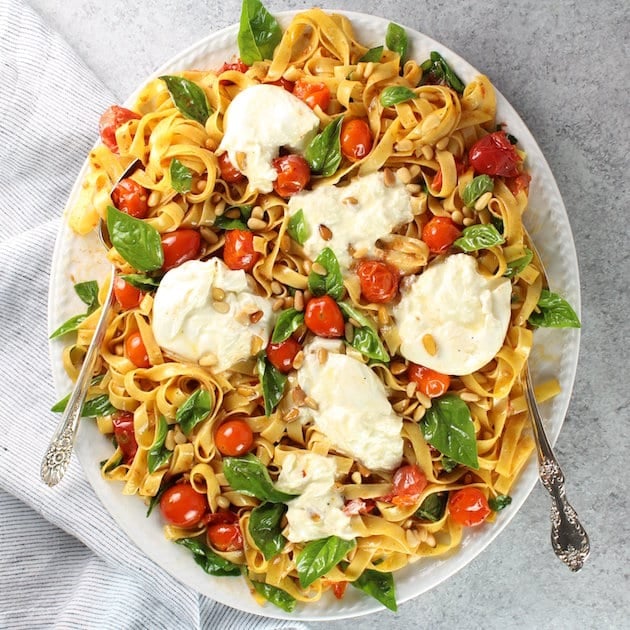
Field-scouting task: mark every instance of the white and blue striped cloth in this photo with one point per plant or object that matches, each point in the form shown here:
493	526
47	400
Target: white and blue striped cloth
64	563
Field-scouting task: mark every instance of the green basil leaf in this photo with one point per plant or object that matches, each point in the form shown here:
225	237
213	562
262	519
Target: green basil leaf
69	325
477	187
514	267
378	585
330	284
265	528
297	227
273	382
181	176
396	94
500	502
320	556
136	241
163	488
433	507
480	236
374	55
396	40
248	475
323	153
195	410
435	69
188	97
88	292
448	464
158	454
211	562
259	33
287	323
275	595
498	223
232	223
555	312
447	425
141	281
366	339
113	464
98	406
60	405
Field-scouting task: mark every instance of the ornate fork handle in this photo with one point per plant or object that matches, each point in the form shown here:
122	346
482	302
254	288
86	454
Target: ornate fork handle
57	458
568	538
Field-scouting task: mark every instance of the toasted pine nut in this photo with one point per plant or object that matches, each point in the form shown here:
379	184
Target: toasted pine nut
179	437
412	538
325	232
223	502
169	442
298	360
468	221
276	287
255	317
425	401
208	360
442	143
298	396
256	224
418	414
291	415
457	217
312	404
209	235
319	269
258	212
221	307
400	406
403	172
298	301
201	184
349	332
413	189
350	201
430	540
483	201
427	152
411	389
277	305
428	341
322	355
404	146
154	198
356	477
369	68
219	209
389	178
469	396
218	294
397	368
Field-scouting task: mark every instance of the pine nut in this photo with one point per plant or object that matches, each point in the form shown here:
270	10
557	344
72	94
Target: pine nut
325	232
276	287
425	401
413	189
258	212
208	360
414	169
397	368
389	178
418	414
442	143
256	224
201	184
383	316
154	198
412	539
311	404
469	396
219	209
411	389
319	269
179	437
369	68
298	301
209	235
223	502
298	360
483	201
322	356
244	391
169	442
277	305
468	221
403	173
457	217
356	477
349	332
350	201
255	317
218	294
404	146
298	396
221	307
427	152
428	341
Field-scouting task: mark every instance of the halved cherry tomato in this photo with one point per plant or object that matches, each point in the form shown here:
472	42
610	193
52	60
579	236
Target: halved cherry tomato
136	351
125	435
131	198
229	172
225	537
356	139
339	589
238	250
281	354
468	506
284	83
379	282
294	174
237	65
429	382
181	505
179	246
439	234
460	166
234	437
359	506
323	317
219	517
312	94
408	483
112	118
127	295
495	155
518	183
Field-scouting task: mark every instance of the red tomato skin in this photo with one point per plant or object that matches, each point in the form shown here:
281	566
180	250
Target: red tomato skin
294	174
238	250
468	506
439	234
136	352
229	172
125	435
127	295
112	118
179	246
312	94
409	481
131	198
339	589
281	355
237	65
181	505
225	536
219	517
234	437
284	83
495	155
518	183
429	382
379	282
323	317
356	139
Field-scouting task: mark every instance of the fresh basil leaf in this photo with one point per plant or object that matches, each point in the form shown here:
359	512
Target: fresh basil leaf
158	454
60	405
514	267
211	562
323	153
480	185
141	281
248	475
259	33
98	406
265	528
88	292
330	284
395	94
511	139
273	382
436	70
374	55
554	312
447	425
195	410
448	464
366	339
297	227
181	176
136	241
163	488
287	323
226	222
378	585
480	236
69	325
500	502
396	40
113	464
498	223
433	507
275	595
320	556
188	97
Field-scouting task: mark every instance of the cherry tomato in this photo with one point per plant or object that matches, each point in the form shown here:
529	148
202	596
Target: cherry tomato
234	437
339	589
281	354
495	155
293	174
112	118
460	166
439	234
238	251
379	282
229	172
136	352
429	382
125	435
284	83
127	295
312	94
323	317
179	246
409	482
237	65
359	506
181	505
356	139
518	183
468	506
219	517
225	537
131	198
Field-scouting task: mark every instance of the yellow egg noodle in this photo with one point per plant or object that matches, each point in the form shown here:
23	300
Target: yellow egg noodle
414	140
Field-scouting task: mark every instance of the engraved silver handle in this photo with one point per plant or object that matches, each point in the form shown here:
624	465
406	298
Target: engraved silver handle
57	458
568	538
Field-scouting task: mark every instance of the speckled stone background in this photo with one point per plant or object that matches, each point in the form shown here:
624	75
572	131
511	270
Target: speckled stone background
564	66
